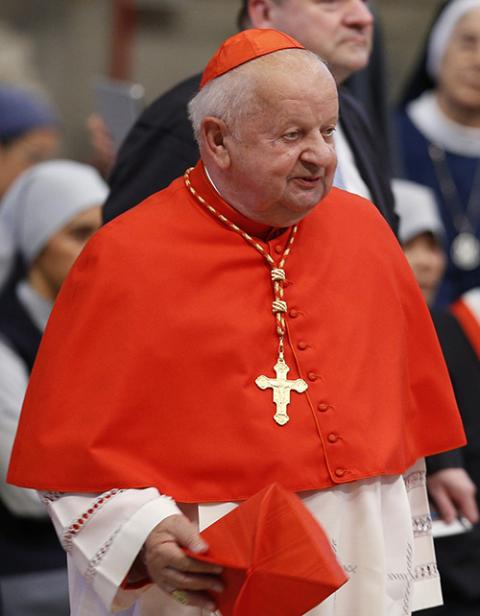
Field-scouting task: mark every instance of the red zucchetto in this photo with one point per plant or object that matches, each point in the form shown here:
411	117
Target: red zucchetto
244	47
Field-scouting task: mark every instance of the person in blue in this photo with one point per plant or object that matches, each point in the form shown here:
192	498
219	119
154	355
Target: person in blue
30	133
438	133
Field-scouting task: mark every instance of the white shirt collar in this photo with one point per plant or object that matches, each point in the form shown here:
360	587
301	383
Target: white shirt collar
426	115
211	181
37	307
348	176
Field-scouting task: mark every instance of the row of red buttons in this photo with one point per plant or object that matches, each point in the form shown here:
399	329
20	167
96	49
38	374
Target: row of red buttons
313	376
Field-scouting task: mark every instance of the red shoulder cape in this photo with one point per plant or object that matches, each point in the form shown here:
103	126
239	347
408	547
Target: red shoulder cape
146	373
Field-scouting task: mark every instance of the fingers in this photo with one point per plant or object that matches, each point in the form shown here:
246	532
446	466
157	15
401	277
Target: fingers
101	141
466	501
178	579
161	554
172	570
470	510
454	494
445	506
179	528
196	599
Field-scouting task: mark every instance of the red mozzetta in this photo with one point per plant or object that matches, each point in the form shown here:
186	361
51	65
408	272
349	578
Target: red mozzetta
146	374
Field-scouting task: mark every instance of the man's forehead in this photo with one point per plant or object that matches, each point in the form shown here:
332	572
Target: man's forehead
300	74
308	96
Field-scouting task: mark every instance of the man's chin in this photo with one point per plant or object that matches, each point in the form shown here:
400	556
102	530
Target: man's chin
305	207
355	59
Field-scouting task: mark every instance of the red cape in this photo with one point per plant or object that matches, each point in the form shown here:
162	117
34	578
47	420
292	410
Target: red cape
146	373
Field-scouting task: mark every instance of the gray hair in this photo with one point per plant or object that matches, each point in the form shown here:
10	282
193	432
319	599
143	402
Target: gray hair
234	96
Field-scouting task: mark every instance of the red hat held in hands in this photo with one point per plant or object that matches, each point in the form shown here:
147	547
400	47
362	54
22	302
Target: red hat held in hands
277	560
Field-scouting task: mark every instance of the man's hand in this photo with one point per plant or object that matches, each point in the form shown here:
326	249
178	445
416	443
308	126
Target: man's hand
101	143
453	493
175	572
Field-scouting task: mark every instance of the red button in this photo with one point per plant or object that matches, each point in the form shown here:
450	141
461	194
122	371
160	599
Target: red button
278	249
312	376
332	438
302	345
293	313
322	407
340	472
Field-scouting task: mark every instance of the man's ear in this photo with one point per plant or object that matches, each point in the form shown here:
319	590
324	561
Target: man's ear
259	12
214	132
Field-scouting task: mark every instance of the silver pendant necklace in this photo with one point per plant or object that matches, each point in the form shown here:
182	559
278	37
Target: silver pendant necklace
465	248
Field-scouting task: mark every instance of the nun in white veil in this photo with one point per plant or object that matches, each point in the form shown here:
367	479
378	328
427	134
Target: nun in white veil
438	134
47	216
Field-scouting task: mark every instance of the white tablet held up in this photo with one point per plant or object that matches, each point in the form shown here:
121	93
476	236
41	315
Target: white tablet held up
119	103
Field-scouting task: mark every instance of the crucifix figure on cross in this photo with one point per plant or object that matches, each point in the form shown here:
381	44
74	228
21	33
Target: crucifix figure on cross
281	389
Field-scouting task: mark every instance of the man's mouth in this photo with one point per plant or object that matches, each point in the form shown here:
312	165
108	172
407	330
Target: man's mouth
357	39
308	181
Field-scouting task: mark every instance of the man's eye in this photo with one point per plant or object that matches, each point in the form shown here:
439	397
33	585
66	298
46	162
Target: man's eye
291	135
330	3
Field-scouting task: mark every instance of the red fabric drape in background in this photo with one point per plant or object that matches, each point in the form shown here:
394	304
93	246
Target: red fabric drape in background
124	21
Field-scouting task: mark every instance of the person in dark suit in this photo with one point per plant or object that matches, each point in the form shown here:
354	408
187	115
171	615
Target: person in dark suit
161	145
458	555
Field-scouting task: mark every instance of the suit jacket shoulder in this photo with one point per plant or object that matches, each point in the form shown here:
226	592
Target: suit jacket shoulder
369	155
158	149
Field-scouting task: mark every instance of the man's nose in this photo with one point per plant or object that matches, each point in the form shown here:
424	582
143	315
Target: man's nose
425	262
319	152
358	13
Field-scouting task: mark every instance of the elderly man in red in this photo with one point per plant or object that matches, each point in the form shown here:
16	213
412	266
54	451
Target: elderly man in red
247	275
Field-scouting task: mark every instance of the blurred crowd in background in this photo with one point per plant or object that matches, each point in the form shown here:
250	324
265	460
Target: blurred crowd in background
50	206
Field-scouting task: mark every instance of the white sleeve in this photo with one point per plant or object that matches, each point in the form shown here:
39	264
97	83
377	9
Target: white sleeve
13	384
103	533
427	592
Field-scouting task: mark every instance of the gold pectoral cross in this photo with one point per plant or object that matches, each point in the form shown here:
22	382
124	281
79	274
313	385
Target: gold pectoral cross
281	389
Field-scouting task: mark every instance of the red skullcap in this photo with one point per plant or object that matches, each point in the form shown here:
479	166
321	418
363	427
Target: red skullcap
244	47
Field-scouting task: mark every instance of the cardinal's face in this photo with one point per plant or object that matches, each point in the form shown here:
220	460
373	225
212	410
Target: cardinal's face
282	159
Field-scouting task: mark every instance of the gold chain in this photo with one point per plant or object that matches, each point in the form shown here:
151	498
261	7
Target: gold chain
279	305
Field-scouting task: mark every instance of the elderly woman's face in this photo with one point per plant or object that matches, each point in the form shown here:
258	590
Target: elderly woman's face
459	79
29	149
52	265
